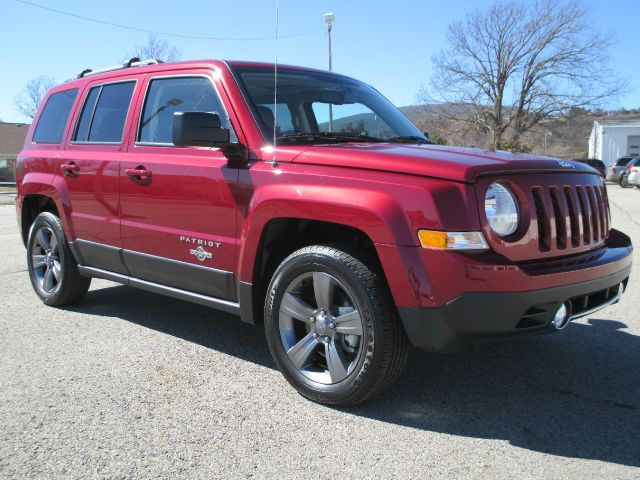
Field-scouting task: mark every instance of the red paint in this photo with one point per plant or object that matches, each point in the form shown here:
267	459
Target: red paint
144	198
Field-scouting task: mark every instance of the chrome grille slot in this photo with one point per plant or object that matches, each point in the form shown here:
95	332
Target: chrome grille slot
601	211
574	220
560	219
542	219
595	217
585	213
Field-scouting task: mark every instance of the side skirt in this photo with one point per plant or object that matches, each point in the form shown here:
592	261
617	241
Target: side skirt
217	303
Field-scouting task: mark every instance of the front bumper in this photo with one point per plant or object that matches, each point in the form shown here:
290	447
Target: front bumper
524	306
477	318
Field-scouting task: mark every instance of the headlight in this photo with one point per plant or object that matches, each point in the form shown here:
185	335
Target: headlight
501	210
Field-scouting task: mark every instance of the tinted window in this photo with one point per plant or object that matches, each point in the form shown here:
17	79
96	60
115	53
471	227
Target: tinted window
284	119
82	131
623	161
352	118
54	117
110	113
168	95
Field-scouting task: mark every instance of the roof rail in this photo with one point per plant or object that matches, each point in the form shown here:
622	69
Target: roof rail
132	62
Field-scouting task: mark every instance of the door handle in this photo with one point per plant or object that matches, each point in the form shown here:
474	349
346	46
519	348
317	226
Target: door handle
138	174
70	168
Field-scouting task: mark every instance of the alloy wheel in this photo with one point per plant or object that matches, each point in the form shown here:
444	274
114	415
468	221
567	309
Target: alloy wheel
45	260
321	327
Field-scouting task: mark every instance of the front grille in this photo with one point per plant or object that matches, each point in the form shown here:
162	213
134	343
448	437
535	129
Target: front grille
570	217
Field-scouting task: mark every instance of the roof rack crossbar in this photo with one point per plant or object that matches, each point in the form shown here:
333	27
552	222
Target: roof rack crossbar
132	62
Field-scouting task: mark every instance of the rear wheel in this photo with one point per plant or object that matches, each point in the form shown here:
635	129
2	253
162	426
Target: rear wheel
52	269
331	327
624	182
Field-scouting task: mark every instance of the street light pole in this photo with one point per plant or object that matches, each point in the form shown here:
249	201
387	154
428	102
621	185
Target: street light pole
328	19
545	141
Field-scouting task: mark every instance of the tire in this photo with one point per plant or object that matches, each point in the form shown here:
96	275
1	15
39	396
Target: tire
332	328
52	269
624	183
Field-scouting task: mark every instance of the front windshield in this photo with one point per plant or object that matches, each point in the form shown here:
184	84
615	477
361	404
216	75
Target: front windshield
317	107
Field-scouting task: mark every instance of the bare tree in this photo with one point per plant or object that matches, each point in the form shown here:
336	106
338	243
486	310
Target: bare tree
28	101
511	66
158	48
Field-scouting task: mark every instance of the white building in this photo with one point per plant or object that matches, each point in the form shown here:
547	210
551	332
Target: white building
612	139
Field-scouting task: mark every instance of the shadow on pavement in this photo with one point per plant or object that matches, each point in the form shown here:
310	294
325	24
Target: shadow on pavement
573	394
202	325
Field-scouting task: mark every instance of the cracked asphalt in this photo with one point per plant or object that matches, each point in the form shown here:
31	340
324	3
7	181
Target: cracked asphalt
129	384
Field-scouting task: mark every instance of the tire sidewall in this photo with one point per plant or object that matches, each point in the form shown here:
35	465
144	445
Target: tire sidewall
299	263
624	182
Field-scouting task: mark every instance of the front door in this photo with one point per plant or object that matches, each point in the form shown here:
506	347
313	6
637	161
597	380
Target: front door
178	204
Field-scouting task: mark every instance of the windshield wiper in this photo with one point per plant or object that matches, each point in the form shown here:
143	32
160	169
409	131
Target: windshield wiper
410	139
330	136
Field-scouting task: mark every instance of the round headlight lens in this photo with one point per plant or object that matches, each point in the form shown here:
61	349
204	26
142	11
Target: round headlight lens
501	209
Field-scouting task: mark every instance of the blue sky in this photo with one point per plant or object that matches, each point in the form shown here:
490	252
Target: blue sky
386	44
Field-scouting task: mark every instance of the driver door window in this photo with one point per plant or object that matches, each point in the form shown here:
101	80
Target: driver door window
169	95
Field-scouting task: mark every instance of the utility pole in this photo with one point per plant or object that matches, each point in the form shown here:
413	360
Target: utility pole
545	141
328	19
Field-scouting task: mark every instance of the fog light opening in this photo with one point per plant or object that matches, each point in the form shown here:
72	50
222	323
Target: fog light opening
561	318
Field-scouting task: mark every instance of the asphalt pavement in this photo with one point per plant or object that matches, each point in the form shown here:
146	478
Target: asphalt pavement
129	384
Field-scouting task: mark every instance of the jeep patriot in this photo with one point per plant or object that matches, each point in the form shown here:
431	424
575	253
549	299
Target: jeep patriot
325	214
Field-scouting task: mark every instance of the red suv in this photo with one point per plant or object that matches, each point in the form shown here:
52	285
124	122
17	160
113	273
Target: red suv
324	214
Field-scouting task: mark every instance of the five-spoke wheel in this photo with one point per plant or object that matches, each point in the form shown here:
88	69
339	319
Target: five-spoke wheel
45	260
320	327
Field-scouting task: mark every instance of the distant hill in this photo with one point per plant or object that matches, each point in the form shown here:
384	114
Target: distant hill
366	123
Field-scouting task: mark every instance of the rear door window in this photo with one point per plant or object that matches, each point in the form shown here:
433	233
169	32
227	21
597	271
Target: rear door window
104	113
54	117
165	96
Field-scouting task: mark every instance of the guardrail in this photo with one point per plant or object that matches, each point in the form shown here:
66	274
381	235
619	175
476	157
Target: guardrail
7	184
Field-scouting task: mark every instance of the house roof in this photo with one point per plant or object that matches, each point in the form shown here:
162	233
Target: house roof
617	123
12	137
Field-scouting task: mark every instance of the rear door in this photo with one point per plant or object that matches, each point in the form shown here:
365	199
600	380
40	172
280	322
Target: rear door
178	204
91	169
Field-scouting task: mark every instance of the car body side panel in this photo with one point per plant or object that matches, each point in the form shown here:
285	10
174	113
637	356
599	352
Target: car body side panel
388	208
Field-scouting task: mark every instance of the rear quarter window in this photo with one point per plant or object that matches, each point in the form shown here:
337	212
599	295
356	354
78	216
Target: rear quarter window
54	117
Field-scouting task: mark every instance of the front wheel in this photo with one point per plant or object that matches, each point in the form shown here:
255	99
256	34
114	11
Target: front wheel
52	269
331	327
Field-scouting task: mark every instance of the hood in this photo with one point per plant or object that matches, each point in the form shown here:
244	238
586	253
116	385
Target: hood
451	163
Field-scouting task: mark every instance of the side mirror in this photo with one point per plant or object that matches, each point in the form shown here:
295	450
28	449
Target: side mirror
199	129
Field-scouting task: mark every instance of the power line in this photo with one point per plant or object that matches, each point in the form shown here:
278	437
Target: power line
157	32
